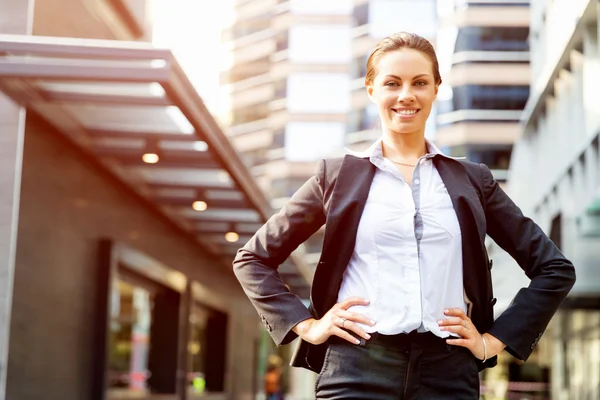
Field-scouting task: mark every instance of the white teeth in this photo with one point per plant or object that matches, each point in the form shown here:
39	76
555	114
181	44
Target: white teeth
406	112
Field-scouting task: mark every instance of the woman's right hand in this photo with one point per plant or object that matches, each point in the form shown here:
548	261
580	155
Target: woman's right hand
338	321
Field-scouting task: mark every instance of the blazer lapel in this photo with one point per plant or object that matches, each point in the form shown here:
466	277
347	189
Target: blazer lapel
462	192
471	218
347	203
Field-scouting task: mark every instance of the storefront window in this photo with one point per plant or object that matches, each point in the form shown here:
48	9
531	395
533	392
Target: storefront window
206	350
197	349
131	310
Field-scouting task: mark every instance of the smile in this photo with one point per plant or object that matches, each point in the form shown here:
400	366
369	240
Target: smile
405	112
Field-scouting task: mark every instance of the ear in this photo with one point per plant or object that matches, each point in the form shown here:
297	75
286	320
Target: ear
370	92
436	92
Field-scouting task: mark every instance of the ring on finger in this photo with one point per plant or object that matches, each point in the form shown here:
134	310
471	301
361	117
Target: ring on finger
342	322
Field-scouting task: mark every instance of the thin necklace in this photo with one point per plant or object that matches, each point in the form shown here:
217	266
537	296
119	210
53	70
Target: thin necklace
401	163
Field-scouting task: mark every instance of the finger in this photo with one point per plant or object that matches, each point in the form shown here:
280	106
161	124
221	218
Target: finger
456	312
351	326
451	321
458	342
344	335
356	317
353	301
459	329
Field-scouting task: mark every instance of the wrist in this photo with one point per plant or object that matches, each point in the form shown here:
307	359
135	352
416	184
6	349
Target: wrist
303	326
494	345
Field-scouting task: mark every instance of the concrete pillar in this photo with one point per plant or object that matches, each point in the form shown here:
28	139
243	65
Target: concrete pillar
15	18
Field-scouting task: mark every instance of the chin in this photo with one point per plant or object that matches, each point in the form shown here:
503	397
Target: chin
402	129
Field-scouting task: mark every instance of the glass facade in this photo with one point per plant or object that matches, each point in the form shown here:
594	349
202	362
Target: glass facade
488	97
488	38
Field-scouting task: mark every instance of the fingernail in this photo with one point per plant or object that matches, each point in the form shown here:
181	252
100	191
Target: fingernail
368	336
446	311
356	341
442	328
372	323
440	322
366	301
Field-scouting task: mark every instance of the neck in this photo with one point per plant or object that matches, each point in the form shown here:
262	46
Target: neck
407	147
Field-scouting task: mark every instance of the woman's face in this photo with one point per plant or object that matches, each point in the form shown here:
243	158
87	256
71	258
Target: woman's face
403	90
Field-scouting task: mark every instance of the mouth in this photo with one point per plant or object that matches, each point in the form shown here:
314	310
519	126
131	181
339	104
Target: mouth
406	112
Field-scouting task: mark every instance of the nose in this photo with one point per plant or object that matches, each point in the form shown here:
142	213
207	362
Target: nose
406	94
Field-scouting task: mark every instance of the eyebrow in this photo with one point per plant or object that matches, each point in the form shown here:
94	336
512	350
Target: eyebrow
397	77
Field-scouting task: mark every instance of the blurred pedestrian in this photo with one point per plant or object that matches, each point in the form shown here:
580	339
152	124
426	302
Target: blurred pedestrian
273	378
401	301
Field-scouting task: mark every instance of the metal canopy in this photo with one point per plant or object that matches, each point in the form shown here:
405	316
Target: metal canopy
121	100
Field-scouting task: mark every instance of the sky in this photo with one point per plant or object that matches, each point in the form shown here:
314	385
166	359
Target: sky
192	29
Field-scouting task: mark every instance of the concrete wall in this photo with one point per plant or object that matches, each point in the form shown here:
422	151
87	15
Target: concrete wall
67	205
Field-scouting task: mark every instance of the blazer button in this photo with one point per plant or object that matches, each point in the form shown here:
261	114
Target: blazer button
493	302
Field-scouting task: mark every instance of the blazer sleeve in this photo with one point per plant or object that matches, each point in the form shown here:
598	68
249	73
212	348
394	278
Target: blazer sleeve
255	265
552	276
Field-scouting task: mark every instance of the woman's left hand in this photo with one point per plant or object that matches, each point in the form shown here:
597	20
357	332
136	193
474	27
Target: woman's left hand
458	322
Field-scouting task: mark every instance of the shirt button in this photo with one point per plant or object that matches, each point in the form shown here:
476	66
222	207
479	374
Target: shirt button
416	181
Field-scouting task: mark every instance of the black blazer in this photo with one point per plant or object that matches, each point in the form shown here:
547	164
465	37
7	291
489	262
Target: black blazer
336	195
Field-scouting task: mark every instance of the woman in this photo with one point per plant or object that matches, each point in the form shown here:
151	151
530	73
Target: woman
401	301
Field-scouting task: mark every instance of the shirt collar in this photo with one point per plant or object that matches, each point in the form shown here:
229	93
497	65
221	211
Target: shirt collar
375	150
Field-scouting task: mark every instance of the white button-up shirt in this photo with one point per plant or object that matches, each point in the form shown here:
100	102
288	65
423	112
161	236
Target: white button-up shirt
408	255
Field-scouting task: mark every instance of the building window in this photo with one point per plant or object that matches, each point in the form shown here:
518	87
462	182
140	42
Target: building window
419	17
361	14
315	43
369	118
282	40
489	97
494	156
488	38
309	141
319	93
359	67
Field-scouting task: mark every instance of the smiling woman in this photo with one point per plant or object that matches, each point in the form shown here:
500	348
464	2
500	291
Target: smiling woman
402	302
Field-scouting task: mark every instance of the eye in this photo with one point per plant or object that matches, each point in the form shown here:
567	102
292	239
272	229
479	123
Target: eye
420	83
391	84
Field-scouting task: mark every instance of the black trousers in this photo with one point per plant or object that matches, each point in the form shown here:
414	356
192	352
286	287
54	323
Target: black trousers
404	366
